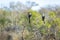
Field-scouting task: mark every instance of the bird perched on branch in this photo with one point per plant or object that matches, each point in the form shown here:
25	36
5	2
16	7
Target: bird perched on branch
29	16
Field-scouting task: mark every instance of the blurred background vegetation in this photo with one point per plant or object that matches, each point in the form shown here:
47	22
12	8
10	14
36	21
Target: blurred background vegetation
15	23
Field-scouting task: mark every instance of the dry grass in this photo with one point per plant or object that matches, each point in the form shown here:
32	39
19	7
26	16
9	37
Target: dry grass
14	36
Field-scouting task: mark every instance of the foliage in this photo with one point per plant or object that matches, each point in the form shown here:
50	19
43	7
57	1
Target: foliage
19	17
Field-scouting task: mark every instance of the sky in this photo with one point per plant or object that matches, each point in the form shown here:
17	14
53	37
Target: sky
41	3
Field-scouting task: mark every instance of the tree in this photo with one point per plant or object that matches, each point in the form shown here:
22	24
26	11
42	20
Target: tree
4	20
